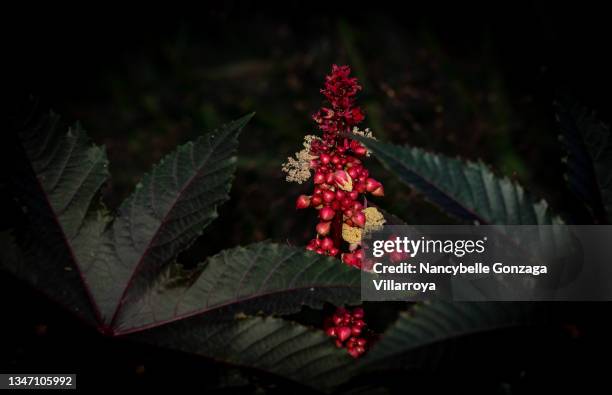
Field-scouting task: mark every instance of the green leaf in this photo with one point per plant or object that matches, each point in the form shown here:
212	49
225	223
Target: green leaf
57	174
73	248
588	143
437	322
264	277
467	190
169	209
267	344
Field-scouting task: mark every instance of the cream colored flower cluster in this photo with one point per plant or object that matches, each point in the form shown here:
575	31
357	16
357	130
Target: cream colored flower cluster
298	168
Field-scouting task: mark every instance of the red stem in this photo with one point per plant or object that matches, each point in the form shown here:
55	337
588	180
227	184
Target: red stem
336	230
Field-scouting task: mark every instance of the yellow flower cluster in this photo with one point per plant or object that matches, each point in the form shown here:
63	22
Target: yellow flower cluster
374	221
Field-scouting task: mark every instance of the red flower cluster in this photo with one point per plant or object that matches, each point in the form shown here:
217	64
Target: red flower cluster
339	175
347	327
340	91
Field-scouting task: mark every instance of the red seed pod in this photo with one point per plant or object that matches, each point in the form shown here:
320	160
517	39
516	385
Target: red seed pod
334	251
359	254
357	206
320	251
348	212
372	184
331	331
335	159
353	195
323	228
348	258
380	191
329	196
316	200
329	178
340	194
358	313
359	219
343	333
324	158
327	244
355	330
361	342
360	187
319	178
353	172
326	213
303	201
361	150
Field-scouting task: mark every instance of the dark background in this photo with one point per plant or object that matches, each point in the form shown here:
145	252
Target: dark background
478	83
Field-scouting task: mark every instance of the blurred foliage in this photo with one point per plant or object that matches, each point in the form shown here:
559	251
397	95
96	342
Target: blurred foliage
415	92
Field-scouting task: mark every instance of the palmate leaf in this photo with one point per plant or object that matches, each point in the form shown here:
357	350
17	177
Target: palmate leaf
119	272
436	322
588	143
56	176
61	175
169	210
467	190
267	344
471	192
264	277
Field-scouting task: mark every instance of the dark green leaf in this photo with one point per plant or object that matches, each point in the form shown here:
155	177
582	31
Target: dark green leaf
437	322
262	277
266	344
464	189
57	176
169	209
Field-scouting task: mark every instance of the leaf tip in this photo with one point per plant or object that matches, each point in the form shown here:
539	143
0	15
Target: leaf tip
245	119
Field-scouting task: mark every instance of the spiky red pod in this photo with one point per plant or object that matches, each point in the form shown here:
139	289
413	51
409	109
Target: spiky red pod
302	201
334	161
347	328
323	228
327	213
